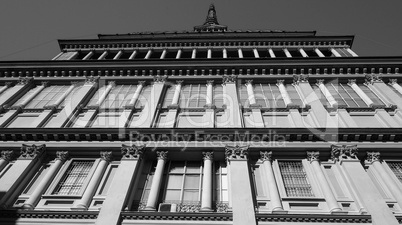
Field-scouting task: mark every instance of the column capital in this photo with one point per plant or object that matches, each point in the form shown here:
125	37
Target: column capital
112	83
249	82
25	80
266	156
31	151
236	152
301	78
132	152
351	81
7	155
179	82
210	82
141	82
45	83
373	78
320	81
160	79
208	155
393	81
74	83
61	155
339	152
162	155
106	156
8	84
279	82
91	80
226	79
313	156
373	157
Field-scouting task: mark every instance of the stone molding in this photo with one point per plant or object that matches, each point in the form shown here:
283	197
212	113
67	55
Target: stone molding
25	80
344	152
132	152
393	81
91	80
236	152
31	151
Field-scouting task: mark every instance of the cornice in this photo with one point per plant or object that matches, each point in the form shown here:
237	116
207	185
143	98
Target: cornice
176	216
48	214
314	218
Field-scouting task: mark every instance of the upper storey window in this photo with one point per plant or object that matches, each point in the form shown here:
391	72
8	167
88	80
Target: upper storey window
193	96
48	96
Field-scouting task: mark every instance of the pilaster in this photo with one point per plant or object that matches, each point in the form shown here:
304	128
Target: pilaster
232	111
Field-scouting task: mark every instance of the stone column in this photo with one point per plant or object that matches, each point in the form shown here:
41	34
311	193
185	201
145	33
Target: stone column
137	92
132	56
148	55
336	54
326	189
156	181
177	90
163	55
178	55
5	158
327	94
365	189
385	176
32	96
240	52
194	54
210	88
250	92
271	53
65	94
118	55
232	111
102	98
225	53
88	56
122	182
352	52
353	85
394	84
207	188
303	53
284	93
104	54
319	53
86	198
276	204
287	53
240	187
6	86
36	195
256	55
209	54
20	173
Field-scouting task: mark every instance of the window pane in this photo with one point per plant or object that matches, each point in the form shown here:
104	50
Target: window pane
192	182
175	181
176	167
72	181
191	195
23	120
109	180
172	195
193	167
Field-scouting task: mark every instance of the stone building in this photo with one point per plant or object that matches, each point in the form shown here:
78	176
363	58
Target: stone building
210	126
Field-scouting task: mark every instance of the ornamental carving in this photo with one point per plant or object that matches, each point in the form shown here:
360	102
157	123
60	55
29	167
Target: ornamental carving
107	156
45	83
279	82
301	78
179	82
7	155
61	155
320	81
91	80
31	151
210	82
372	78
222	207
249	82
393	81
351	82
25	80
182	207
236	152
132	152
160	79
162	155
229	79
313	156
339	152
266	156
208	155
373	157
111	83
8	84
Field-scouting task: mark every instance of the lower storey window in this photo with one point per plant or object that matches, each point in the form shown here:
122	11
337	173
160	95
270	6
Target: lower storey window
74	178
295	179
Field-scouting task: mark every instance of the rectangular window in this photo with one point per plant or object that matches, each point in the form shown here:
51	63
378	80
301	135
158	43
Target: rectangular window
396	168
193	96
268	96
23	120
47	96
221	182
73	180
295	179
106	119
119	96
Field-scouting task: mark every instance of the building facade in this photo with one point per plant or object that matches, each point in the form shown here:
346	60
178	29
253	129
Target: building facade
210	126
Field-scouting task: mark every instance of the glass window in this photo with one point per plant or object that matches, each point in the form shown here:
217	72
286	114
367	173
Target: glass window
47	96
168	96
23	120
221	182
268	96
295	179
294	95
376	100
193	96
73	179
106	119
218	96
119	96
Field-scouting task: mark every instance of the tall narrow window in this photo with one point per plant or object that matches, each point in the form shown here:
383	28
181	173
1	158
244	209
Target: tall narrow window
221	183
268	96
295	179
73	180
396	168
193	96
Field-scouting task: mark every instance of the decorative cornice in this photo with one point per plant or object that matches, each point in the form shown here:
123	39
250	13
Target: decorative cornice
266	156
162	155
90	215
178	216
236	152
373	157
160	78
132	152
301	78
313	156
208	155
313	218
31	151
226	79
7	155
342	152
106	156
61	155
373	78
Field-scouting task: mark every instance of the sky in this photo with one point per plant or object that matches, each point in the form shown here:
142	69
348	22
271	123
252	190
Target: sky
29	29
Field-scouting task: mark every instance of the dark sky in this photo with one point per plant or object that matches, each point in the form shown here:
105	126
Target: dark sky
30	28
